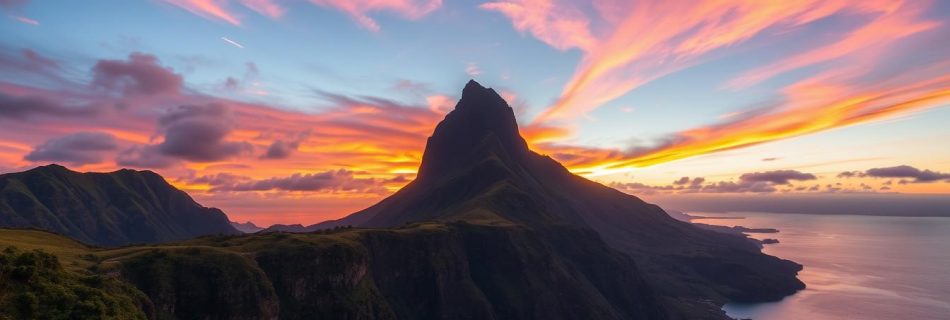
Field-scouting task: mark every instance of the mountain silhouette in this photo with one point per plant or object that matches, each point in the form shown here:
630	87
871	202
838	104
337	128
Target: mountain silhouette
478	169
488	230
116	208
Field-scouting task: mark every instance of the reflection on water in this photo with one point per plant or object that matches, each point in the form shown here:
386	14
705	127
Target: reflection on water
856	267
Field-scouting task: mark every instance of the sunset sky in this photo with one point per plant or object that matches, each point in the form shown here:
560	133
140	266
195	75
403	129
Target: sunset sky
283	111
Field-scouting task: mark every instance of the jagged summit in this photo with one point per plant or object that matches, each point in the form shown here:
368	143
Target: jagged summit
481	117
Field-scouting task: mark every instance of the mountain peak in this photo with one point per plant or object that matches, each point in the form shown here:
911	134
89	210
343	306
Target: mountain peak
479	115
473	85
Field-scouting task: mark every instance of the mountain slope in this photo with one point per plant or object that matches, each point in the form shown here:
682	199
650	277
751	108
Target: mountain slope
422	271
477	168
116	208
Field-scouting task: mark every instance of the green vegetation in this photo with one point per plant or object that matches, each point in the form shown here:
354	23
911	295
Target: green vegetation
34	285
116	208
425	270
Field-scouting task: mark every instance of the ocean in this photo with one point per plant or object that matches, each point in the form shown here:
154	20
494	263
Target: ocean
856	267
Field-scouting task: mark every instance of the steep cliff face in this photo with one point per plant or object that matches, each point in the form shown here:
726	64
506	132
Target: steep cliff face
116	208
426	271
200	283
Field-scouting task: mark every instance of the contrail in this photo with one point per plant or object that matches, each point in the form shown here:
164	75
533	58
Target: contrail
232	42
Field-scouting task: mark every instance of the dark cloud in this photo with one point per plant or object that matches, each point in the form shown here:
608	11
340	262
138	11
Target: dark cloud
77	149
905	171
280	149
687	183
232	84
740	187
139	75
851	174
220	179
640	188
197	133
756	182
144	156
251	74
341	180
25	107
769	159
776	177
27	60
908	174
193	132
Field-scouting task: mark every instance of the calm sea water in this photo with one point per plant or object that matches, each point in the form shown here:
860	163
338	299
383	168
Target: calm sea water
856	267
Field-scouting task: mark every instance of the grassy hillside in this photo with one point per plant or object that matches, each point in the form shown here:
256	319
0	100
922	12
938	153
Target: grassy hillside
421	271
34	284
116	208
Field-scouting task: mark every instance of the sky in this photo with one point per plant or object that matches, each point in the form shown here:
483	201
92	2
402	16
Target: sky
296	111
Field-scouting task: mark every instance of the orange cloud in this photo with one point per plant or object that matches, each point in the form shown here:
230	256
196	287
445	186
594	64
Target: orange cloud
785	121
569	29
638	42
627	44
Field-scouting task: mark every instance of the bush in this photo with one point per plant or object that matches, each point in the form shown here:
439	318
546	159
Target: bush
33	285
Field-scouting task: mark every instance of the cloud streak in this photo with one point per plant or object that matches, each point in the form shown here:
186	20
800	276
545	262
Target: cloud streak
210	9
232	42
359	10
628	44
901	171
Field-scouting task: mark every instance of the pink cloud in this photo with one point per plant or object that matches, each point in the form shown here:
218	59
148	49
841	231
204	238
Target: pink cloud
269	8
210	9
627	44
27	20
359	9
141	74
562	27
633	43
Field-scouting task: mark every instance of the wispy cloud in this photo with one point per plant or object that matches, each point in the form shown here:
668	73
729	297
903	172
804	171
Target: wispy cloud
269	8
472	69
27	20
628	44
211	9
358	10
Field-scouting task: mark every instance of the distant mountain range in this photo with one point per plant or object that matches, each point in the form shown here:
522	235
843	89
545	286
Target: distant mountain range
247	227
487	230
117	208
